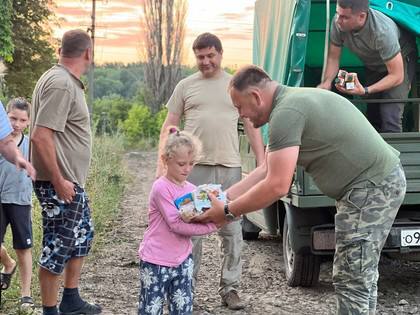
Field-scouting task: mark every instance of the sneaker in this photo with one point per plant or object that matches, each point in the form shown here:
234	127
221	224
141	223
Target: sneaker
233	301
86	309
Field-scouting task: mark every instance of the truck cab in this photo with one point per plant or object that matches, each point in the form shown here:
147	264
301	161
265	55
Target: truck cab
290	43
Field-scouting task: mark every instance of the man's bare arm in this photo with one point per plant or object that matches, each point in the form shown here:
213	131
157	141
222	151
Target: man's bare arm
43	144
12	154
395	76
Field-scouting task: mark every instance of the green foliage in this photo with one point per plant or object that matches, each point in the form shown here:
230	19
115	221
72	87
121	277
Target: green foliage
6	44
120	107
105	185
106	86
106	182
230	70
33	53
109	113
140	125
142	128
160	117
124	80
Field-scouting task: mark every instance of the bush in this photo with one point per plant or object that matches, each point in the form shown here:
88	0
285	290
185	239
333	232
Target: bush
140	128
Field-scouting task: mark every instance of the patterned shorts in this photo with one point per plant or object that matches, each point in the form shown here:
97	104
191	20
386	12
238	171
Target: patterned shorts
68	228
160	285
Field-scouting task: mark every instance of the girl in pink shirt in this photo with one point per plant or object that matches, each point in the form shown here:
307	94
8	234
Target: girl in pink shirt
166	264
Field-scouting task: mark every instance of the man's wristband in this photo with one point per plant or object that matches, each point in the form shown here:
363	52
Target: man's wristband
366	90
229	216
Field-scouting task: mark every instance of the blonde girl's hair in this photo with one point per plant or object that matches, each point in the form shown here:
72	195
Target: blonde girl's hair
177	139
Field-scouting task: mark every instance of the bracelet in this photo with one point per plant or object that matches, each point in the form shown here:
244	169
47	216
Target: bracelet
366	90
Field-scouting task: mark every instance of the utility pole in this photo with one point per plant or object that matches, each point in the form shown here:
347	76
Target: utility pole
91	85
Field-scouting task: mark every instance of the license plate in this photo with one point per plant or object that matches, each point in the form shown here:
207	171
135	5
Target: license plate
410	237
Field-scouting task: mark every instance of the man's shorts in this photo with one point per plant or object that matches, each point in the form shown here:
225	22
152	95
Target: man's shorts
68	228
19	218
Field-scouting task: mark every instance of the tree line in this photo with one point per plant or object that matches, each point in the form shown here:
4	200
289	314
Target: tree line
121	106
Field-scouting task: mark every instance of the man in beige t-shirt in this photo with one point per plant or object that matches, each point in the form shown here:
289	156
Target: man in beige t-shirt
203	102
61	139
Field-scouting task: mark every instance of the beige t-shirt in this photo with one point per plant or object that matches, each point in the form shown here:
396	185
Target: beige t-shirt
59	104
209	114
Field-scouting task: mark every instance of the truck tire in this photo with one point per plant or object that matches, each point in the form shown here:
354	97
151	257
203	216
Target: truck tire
250	231
301	270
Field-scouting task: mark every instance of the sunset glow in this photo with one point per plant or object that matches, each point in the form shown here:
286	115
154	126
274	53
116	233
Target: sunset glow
119	37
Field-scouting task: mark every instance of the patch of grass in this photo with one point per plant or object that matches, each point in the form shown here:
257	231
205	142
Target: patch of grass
105	185
144	143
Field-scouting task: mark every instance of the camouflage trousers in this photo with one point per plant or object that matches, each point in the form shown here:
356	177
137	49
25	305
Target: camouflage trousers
365	215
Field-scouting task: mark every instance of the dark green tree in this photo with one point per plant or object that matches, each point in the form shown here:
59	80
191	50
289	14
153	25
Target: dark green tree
106	86
33	50
6	44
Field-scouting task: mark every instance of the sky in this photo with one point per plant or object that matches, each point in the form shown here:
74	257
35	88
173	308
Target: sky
118	33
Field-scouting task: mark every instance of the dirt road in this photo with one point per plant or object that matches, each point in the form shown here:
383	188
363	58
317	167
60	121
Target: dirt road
110	277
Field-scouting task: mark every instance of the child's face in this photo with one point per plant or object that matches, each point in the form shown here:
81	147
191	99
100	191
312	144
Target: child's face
179	166
19	120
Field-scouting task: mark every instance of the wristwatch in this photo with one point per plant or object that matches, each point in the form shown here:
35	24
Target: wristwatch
228	215
366	90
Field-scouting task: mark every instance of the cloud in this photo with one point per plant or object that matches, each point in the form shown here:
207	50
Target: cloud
71	11
120	40
232	16
241	36
222	29
119	25
115	10
134	3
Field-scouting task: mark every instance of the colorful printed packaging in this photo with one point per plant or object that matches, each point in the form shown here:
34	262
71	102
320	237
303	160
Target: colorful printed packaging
350	80
201	198
194	203
341	78
186	208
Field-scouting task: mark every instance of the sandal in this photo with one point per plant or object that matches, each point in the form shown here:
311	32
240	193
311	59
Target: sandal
26	302
6	278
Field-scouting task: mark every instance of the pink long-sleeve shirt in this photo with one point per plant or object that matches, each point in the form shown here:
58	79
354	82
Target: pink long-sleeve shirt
167	240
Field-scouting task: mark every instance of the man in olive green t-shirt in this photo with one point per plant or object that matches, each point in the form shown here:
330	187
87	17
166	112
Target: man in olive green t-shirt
388	53
203	101
348	160
61	151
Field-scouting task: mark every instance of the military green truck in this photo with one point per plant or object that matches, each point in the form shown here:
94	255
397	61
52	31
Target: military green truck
290	43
